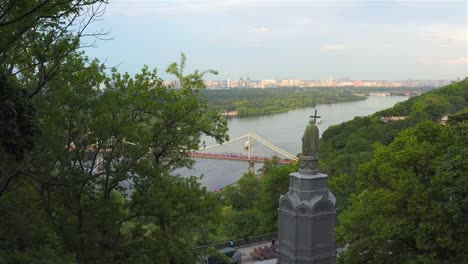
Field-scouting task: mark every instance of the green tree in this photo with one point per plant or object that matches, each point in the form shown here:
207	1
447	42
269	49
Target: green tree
26	235
342	186
459	117
81	148
269	165
243	194
101	144
250	205
240	224
37	37
168	219
273	184
410	201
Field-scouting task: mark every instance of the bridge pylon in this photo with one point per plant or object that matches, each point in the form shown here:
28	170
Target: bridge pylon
251	166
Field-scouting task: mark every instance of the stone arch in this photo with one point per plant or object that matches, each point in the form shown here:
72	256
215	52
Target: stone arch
302	209
323	206
286	204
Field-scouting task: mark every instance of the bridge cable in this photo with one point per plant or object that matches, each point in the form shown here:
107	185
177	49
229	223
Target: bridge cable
273	147
230	141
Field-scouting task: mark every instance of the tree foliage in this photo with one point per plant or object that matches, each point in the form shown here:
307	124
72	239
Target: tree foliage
344	147
88	155
37	38
100	170
410	200
250	206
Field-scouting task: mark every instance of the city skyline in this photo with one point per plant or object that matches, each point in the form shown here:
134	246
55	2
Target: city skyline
392	40
269	83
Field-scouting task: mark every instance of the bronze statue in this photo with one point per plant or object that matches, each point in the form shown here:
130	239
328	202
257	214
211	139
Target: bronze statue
310	139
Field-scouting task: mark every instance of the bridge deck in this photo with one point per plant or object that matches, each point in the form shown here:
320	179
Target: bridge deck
235	157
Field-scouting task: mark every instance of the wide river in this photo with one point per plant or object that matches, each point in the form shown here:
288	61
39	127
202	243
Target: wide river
285	131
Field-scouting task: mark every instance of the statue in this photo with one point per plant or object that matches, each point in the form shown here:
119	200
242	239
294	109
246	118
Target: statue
310	139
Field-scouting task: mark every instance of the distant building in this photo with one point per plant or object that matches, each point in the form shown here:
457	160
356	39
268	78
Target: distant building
379	94
357	83
443	120
385	119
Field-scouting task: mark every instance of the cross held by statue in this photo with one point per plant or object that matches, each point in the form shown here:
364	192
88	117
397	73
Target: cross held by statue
314	121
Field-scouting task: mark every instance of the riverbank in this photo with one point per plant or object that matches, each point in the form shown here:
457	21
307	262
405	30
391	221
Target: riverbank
244	113
259	102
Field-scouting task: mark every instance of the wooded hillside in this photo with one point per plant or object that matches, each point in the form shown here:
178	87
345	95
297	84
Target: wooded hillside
345	146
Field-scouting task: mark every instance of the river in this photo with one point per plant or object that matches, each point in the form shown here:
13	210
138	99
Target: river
285	131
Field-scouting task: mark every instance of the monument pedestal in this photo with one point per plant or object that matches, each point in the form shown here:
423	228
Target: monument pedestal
307	217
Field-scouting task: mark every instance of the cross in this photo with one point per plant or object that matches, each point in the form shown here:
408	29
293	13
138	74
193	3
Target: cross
314	117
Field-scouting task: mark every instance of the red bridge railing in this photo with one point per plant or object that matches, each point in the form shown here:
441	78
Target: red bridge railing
234	156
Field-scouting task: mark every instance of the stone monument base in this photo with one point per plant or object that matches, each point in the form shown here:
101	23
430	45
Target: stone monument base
307	218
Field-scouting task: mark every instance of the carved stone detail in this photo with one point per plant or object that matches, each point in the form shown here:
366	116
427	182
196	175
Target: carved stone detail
322	207
308	165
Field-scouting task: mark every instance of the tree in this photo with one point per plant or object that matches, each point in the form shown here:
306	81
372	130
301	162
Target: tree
37	37
269	165
459	117
250	206
25	233
103	147
240	224
273	184
18	130
168	217
243	194
342	186
410	201
435	106
82	148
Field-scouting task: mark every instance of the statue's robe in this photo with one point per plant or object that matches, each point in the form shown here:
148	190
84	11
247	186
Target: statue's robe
310	140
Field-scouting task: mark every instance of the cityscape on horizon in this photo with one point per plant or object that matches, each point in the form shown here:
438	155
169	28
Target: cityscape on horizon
246	82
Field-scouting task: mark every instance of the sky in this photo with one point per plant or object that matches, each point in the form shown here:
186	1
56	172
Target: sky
279	39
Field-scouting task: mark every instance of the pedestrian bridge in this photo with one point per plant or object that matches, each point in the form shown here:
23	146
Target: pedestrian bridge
249	147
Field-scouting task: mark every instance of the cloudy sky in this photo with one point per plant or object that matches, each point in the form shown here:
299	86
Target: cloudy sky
275	39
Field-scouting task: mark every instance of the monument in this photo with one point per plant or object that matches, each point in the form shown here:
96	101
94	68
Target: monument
307	211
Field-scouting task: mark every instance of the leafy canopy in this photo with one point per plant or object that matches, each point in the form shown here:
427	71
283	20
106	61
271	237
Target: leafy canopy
410	200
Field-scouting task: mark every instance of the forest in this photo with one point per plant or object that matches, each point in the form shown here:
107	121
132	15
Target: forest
88	156
250	102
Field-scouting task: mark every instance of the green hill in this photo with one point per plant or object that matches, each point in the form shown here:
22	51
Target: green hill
346	146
